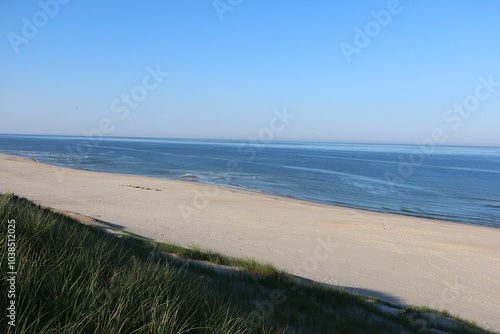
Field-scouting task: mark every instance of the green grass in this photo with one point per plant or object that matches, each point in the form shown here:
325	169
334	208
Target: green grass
73	278
264	270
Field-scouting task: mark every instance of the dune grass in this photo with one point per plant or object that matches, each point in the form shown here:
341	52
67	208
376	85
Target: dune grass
73	278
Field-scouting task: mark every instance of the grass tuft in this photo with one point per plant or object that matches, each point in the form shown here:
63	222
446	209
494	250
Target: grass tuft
73	278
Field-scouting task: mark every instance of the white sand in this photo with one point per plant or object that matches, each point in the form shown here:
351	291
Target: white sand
402	259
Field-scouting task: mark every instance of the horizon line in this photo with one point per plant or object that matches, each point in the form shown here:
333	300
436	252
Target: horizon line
107	137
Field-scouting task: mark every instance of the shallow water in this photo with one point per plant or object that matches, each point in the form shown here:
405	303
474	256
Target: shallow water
452	183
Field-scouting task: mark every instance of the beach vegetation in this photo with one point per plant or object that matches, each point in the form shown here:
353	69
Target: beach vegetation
76	278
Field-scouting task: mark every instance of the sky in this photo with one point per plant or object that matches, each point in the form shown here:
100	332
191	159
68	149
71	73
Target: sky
335	71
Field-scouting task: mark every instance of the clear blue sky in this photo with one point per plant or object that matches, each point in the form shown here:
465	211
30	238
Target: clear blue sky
226	76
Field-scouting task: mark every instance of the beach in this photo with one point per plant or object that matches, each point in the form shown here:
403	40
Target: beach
401	259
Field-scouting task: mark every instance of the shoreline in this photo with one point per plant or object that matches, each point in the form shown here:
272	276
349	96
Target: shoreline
399	258
263	193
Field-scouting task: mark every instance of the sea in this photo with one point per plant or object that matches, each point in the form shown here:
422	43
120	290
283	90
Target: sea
460	184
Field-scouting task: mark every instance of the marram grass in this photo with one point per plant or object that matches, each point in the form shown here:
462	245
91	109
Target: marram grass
73	278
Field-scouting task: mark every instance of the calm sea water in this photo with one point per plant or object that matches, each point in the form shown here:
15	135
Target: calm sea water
453	183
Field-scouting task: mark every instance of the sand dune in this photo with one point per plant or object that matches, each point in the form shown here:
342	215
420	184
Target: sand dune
402	259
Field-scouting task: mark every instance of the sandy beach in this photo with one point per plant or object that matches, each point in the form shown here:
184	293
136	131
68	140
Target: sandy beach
404	260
